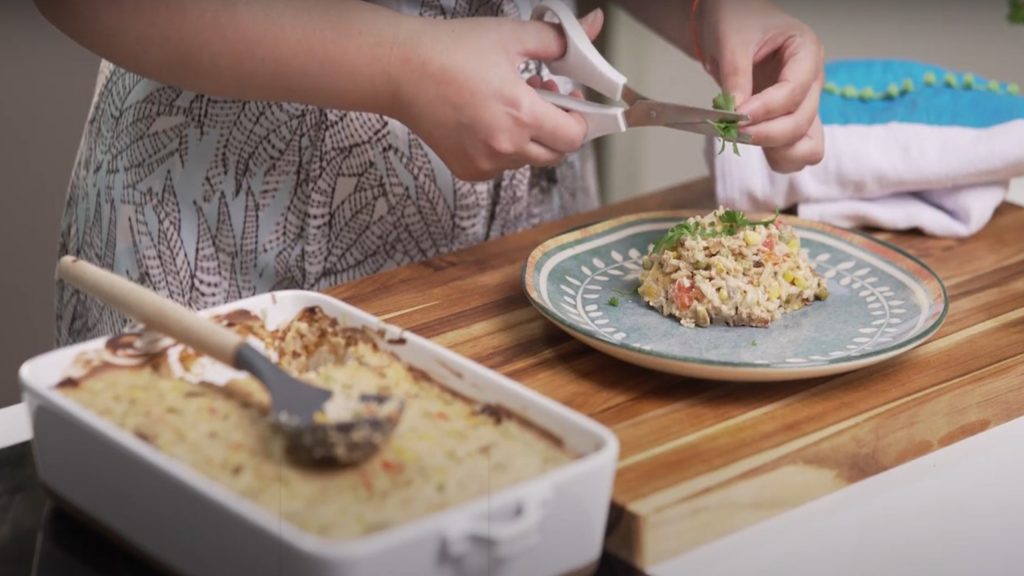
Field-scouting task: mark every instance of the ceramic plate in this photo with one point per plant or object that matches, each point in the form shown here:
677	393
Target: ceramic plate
882	302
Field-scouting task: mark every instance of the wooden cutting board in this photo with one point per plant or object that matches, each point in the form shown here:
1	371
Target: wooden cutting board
703	459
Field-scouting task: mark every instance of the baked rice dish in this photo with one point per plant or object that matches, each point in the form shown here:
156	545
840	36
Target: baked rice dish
445	450
722	268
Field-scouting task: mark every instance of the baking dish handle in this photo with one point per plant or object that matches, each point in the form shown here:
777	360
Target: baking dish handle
505	537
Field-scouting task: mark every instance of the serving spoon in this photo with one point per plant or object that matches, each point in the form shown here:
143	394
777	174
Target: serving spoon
301	411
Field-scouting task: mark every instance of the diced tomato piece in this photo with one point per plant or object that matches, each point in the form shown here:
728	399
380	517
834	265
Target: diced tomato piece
682	295
391	466
364	478
769	243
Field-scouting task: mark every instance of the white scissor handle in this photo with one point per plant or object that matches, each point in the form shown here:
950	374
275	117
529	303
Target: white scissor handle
582	61
601	119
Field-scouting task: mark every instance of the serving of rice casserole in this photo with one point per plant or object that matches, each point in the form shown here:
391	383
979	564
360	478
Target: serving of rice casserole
722	268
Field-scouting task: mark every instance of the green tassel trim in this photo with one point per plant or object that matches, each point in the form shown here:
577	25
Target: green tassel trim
894	90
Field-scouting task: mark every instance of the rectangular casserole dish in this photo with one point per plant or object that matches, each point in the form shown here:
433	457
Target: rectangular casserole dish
550	524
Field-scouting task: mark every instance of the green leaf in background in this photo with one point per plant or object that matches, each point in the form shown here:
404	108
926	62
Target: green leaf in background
1016	14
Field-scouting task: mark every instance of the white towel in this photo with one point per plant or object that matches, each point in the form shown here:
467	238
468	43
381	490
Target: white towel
942	180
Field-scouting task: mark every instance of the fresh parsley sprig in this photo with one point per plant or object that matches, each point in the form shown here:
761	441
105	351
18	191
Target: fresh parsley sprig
730	222
685	229
733	220
728	130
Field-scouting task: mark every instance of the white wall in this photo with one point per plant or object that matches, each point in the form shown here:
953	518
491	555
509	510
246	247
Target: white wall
46	82
972	35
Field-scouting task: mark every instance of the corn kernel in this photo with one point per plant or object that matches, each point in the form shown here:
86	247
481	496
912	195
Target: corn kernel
723	294
648	291
799	282
751	238
794	244
788	276
773	292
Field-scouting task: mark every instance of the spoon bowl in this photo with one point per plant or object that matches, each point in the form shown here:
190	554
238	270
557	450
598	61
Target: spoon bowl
347	441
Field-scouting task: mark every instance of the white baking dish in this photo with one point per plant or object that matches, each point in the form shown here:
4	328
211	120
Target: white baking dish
551	524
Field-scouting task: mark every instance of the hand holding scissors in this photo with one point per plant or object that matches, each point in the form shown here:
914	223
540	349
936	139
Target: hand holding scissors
583	63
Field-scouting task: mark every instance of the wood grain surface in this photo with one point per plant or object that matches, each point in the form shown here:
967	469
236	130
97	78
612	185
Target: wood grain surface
702	459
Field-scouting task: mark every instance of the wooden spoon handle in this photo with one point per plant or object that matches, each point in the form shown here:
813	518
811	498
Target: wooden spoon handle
155	311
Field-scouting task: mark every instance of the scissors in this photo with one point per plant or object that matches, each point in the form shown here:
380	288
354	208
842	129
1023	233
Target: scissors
583	63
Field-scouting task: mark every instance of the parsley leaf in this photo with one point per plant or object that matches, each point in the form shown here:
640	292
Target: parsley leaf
728	130
675	234
733	220
730	222
613	301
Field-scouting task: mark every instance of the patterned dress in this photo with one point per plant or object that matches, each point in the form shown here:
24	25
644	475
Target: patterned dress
208	200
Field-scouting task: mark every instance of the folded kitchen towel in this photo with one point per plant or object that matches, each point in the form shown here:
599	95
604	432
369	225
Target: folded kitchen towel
908	145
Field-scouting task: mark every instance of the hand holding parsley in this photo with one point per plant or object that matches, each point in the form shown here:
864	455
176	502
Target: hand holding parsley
773	66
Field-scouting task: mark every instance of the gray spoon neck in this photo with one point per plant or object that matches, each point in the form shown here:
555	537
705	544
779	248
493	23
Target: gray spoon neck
291	398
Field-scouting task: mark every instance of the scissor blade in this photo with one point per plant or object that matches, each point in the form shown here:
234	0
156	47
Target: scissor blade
654	113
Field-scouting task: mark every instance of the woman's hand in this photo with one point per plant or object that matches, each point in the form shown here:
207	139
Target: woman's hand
773	65
458	86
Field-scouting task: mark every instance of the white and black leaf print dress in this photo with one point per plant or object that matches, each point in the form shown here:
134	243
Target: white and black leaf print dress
207	200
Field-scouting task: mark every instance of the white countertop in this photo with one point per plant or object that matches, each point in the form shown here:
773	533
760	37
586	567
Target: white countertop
15	427
956	511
